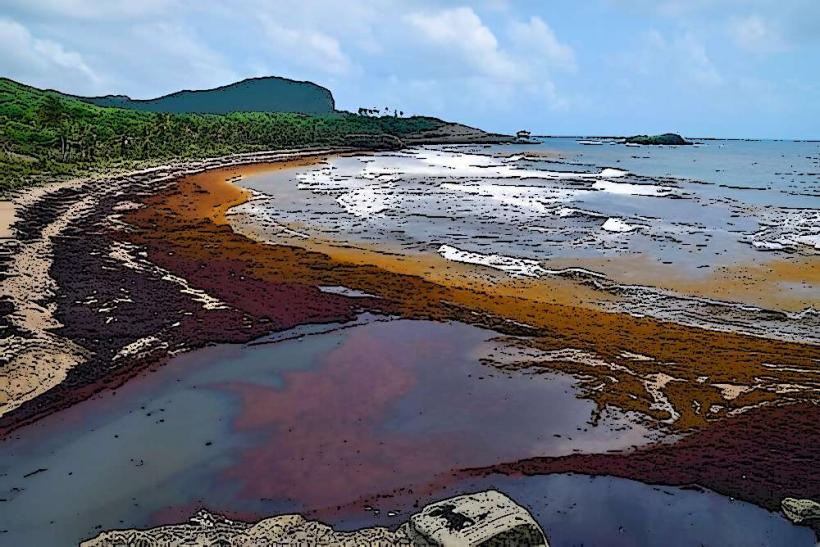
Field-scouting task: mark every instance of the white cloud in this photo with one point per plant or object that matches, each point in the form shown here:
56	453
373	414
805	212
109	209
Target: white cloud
42	62
682	60
306	47
755	34
461	30
536	36
698	64
153	58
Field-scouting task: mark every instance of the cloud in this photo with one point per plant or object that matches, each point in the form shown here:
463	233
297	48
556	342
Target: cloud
42	62
306	47
682	60
755	34
153	58
536	36
460	30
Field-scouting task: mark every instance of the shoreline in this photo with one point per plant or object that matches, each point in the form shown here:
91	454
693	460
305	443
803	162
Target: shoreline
42	349
517	306
130	262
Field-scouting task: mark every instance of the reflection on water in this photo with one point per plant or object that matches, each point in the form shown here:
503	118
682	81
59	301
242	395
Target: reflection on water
305	424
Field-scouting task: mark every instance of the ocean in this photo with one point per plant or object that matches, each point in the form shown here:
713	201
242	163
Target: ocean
558	207
700	205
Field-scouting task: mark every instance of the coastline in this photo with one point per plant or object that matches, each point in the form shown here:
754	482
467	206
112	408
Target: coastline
191	280
175	222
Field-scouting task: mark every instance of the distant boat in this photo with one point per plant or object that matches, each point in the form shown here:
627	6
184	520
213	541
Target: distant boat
590	143
523	135
632	144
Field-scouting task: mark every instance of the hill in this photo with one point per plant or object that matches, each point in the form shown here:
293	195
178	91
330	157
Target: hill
45	134
268	94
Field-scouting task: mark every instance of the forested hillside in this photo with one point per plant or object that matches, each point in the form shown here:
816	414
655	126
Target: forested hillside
45	134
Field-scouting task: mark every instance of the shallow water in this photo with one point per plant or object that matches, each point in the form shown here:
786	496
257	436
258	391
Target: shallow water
304	424
695	207
325	417
687	210
576	510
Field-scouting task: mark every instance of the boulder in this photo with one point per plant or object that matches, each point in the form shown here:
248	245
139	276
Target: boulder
482	519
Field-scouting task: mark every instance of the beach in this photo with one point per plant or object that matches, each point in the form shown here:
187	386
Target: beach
676	379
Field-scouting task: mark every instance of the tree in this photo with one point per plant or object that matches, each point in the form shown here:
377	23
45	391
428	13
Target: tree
52	113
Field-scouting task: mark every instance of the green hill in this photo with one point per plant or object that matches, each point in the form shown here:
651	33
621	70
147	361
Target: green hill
46	134
269	94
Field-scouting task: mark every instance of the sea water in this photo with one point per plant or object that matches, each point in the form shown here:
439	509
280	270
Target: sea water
515	208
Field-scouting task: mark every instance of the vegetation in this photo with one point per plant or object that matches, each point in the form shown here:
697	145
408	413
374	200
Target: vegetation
268	94
44	134
666	138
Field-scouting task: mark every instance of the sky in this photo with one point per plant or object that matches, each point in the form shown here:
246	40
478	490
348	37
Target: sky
723	68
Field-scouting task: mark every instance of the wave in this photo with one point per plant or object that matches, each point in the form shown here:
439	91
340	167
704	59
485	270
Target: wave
632	189
788	229
615	224
537	198
368	201
435	164
516	267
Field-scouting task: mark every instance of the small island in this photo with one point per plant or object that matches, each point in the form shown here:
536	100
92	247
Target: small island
667	138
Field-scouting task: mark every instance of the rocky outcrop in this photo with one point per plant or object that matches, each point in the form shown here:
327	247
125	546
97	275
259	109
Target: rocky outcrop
667	138
485	518
800	510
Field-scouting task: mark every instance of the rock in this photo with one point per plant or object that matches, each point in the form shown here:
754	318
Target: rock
667	138
486	518
798	510
207	529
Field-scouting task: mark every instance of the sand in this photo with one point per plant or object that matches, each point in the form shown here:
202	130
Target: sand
7	218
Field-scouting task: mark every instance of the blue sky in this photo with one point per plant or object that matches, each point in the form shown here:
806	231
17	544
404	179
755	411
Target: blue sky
732	68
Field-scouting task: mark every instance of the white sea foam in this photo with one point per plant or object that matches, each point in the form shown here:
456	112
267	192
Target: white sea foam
615	224
793	229
536	198
434	163
631	189
611	172
518	267
368	201
564	212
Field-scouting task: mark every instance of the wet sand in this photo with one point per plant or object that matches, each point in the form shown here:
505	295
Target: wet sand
789	284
